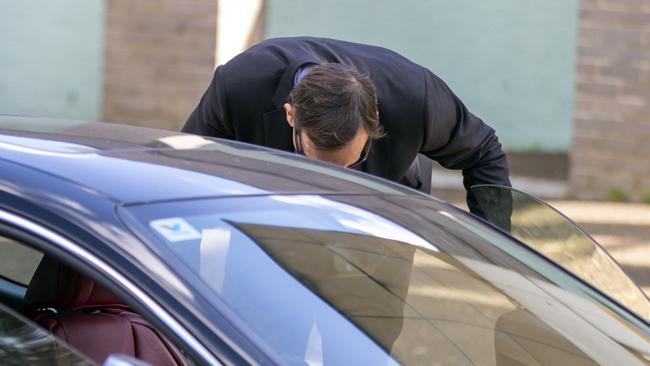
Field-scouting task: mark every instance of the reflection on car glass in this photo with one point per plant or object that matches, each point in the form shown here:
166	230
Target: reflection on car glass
417	305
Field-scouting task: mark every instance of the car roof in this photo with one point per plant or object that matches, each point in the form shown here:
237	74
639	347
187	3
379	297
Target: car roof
135	164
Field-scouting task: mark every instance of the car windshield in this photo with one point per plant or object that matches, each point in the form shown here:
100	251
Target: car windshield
321	280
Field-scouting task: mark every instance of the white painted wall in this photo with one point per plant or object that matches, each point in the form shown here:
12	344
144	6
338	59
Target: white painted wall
236	21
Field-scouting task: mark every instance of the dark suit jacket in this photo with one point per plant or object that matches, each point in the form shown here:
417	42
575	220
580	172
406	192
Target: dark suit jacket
418	111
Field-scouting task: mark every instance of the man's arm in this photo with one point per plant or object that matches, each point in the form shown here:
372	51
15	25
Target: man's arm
458	139
210	117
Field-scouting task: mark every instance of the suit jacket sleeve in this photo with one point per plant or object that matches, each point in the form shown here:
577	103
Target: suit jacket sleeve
210	117
457	139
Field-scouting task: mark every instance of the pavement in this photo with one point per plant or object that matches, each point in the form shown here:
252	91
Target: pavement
623	229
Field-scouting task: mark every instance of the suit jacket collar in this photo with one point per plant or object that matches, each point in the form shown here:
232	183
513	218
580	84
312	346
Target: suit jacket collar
286	81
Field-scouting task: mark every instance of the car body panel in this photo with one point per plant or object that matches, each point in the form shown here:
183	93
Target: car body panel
172	165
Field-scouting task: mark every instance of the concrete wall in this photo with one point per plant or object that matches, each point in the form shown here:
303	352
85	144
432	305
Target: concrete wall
612	117
51	58
511	61
159	60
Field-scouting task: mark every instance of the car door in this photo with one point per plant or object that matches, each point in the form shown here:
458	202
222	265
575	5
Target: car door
558	238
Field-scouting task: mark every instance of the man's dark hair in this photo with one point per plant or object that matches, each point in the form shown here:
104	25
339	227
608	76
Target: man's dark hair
332	102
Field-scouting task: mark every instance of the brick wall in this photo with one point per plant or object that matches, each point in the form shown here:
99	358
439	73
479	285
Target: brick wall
611	143
159	58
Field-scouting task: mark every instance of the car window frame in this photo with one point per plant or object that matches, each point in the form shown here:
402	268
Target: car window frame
38	236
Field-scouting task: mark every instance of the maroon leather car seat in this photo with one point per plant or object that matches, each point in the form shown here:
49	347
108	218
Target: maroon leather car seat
85	315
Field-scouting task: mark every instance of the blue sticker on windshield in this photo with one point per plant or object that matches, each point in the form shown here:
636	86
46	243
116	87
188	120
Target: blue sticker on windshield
175	229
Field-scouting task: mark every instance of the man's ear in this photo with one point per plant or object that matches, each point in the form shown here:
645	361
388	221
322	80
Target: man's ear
288	109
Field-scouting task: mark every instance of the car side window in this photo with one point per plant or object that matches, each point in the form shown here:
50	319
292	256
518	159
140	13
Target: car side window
24	343
18	262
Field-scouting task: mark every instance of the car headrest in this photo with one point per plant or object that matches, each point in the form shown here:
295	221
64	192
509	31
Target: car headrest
58	286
